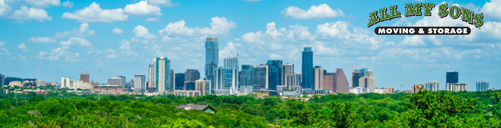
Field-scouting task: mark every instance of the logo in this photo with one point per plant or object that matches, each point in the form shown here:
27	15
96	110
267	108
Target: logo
455	12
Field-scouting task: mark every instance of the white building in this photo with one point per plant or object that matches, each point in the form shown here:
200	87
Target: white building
368	81
432	86
139	82
67	82
381	90
82	85
159	74
358	90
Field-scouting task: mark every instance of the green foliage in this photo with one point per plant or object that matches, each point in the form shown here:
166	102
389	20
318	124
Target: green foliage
423	109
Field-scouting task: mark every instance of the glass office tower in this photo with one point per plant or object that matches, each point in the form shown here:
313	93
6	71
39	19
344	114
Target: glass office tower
452	77
307	69
274	74
211	58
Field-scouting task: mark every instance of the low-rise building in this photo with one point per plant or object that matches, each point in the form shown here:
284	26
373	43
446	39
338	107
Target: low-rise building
108	89
203	108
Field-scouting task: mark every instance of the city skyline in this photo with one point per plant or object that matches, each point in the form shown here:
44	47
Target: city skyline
62	46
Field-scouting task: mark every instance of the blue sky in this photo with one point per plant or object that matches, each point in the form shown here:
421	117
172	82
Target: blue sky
50	39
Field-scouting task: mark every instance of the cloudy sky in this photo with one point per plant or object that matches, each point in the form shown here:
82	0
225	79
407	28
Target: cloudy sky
50	39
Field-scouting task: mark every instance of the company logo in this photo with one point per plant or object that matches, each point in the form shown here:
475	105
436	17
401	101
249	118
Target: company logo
455	12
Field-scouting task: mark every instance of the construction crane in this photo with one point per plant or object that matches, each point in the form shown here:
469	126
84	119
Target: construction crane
400	86
352	66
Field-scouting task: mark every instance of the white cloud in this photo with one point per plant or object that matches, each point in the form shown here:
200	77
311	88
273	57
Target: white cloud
23	47
340	30
76	41
315	12
42	40
230	50
94	13
275	56
110	54
156	19
166	3
61	34
4	8
117	31
82	31
68	4
126	48
24	14
43	3
142	31
492	9
3	51
219	26
142	9
320	48
413	41
57	53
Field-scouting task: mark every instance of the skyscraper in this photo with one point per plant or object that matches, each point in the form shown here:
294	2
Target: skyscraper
139	83
211	58
452	77
274	74
125	86
482	86
319	78
85	77
329	81
307	69
293	81
172	80
160	68
355	80
432	86
150	87
341	84
200	86
246	79
2	79
179	81
367	81
225	81
232	63
117	81
261	77
287	69
191	75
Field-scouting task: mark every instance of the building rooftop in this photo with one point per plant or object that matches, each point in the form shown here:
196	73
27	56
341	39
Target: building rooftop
196	107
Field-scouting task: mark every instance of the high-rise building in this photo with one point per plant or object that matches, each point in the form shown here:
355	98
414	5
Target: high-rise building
329	81
274	74
293	81
367	81
200	86
117	81
211	58
261	77
208	89
287	69
307	69
191	75
179	81
452	77
139	83
126	86
84	77
67	82
390	90
417	87
160	68
355	78
363	71
432	86
151	74
319	78
482	86
232	63
225	81
2	79
189	85
172	80
456	87
341	84
246	79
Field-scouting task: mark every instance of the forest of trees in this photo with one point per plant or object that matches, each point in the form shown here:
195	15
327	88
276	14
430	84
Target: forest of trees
422	109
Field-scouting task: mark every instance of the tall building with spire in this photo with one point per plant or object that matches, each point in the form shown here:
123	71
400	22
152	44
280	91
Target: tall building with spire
211	58
307	69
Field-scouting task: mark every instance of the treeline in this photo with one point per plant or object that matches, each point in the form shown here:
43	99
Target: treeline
423	109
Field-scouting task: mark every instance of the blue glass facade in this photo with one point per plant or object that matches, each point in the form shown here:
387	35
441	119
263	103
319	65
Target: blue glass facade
274	74
179	82
246	76
452	77
211	58
307	68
